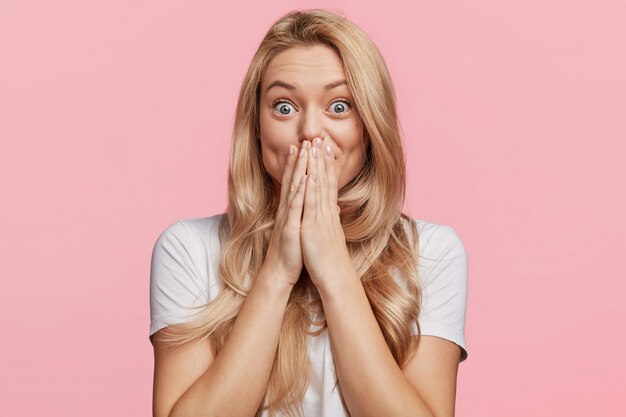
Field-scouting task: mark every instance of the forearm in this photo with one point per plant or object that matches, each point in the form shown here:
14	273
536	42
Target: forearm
371	381
235	383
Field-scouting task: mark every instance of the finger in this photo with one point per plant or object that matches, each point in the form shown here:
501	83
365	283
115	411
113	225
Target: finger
299	170
322	188
292	155
294	215
310	197
331	175
311	165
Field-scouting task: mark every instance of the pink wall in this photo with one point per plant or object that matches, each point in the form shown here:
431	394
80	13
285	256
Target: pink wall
115	120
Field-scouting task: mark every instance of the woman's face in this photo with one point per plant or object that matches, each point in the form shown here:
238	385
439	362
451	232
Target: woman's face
300	99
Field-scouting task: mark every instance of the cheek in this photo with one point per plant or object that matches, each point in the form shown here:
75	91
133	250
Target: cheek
273	159
352	147
275	141
350	162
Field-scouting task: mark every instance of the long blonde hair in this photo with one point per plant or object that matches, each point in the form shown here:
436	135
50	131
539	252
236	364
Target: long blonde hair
379	237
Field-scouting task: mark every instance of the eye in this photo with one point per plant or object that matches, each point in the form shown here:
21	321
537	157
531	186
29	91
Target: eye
283	109
340	105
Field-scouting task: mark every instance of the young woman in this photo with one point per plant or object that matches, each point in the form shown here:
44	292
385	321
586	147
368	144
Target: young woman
313	294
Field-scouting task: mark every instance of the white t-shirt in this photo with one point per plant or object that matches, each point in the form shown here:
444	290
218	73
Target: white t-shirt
183	274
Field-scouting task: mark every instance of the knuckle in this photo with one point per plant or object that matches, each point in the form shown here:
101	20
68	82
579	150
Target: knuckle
295	204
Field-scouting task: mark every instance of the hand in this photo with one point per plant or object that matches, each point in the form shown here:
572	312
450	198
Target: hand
324	250
284	253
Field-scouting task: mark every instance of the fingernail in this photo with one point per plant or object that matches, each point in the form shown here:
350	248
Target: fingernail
329	151
314	152
314	176
318	143
302	152
291	149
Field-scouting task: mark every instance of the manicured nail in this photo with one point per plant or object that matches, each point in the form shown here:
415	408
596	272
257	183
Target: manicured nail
302	152
318	143
314	152
329	151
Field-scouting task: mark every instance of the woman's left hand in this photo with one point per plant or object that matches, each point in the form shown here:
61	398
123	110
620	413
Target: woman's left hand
324	250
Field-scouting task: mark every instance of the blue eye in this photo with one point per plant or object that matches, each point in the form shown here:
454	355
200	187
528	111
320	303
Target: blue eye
341	106
283	107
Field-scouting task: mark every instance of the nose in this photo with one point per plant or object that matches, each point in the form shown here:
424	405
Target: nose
311	127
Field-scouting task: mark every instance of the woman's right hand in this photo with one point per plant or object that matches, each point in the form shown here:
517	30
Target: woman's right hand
284	253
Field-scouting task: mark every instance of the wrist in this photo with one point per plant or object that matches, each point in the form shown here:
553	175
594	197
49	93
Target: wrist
273	281
341	282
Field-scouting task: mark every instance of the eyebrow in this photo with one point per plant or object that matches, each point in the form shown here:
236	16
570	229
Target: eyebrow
279	83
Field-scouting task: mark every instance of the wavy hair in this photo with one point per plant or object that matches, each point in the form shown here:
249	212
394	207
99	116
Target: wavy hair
381	239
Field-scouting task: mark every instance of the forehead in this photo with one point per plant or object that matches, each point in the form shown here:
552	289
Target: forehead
310	66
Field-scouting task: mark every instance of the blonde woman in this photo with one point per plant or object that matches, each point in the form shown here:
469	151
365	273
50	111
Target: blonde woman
313	294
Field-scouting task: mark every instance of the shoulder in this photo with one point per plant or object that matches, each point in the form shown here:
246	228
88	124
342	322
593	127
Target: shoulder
193	232
441	258
191	243
183	271
196	227
437	240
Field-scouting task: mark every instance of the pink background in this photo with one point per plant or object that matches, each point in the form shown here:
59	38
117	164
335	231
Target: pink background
115	120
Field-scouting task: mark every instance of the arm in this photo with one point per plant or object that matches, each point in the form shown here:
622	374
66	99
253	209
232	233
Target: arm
371	381
235	383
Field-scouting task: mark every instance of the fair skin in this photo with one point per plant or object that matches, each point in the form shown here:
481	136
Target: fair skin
307	234
308	110
371	381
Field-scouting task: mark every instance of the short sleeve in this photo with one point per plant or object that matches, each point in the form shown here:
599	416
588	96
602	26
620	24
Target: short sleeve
443	269
176	286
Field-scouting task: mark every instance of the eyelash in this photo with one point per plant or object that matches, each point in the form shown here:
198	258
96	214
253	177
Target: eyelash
341	100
